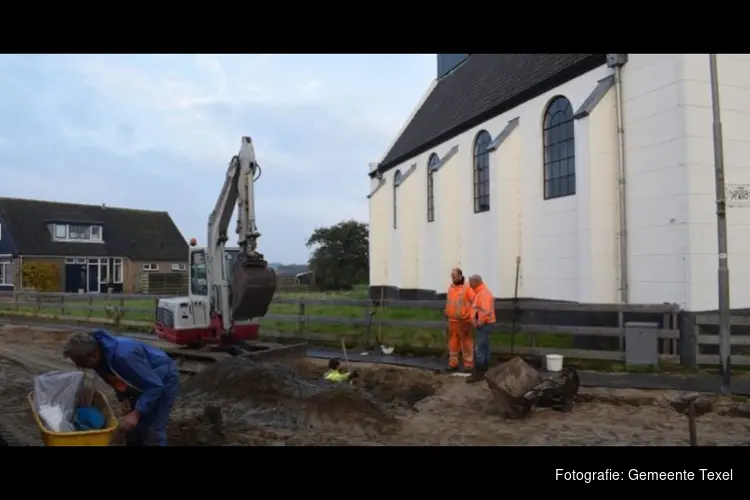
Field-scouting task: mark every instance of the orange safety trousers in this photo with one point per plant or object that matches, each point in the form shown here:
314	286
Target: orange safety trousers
460	343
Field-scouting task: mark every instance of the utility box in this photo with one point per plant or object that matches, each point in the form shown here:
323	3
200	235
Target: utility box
641	344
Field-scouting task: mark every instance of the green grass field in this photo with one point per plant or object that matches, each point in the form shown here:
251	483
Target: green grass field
391	335
58	308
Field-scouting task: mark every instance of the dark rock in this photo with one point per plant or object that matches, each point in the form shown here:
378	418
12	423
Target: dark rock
509	382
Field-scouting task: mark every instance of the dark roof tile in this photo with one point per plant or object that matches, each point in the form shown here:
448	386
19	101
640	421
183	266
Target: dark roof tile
482	87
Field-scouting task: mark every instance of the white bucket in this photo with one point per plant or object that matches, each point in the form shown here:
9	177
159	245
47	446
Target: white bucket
554	362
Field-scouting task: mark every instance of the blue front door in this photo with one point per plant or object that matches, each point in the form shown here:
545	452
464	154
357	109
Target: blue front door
75	277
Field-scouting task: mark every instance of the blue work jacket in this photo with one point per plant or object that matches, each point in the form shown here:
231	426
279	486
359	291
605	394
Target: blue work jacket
138	369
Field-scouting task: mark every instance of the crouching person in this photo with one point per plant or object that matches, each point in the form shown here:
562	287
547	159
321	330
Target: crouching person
336	372
145	380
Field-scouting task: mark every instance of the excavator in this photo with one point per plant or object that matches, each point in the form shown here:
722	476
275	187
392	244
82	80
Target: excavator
229	288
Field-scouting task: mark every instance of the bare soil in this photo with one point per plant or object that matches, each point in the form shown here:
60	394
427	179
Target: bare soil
240	402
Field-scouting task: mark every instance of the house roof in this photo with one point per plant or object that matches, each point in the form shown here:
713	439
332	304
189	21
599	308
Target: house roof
480	88
136	234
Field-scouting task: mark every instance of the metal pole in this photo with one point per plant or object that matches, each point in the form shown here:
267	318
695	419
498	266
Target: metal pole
721	230
623	207
691	424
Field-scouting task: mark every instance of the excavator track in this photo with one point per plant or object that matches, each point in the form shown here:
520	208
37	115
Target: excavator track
192	361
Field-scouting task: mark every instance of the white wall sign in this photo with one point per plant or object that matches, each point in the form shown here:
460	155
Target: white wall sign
738	195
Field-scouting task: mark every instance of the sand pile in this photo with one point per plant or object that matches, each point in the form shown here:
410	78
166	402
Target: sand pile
267	401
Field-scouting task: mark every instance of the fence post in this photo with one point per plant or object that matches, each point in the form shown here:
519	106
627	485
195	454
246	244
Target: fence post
301	319
367	329
62	305
689	332
91	305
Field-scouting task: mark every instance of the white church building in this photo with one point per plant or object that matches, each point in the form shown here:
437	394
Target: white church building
519	157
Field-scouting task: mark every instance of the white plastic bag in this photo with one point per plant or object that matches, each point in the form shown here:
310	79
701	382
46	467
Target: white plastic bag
56	398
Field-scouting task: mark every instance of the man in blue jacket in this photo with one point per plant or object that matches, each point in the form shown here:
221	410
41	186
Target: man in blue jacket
145	379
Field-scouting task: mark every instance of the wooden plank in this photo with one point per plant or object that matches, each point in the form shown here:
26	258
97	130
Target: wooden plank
713	359
501	327
499	306
86	296
406	304
713	319
574	306
78	319
332	302
73	306
601	331
714	340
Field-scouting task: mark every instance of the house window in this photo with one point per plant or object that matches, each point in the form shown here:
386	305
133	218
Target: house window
559	150
5	277
117	271
104	271
198	276
482	172
396	182
150	267
78	232
1	232
179	267
432	163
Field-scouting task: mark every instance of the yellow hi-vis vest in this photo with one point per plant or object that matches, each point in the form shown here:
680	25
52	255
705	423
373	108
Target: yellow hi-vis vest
336	376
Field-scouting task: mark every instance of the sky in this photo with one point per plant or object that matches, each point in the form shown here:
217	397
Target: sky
156	132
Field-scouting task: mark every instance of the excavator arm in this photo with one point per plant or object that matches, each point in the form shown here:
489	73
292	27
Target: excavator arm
249	289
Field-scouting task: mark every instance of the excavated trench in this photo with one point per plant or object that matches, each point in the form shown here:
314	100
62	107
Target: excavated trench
243	402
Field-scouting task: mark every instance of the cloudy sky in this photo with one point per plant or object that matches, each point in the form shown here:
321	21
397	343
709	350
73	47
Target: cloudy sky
157	131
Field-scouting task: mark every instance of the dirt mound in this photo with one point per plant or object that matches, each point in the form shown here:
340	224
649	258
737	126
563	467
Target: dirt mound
267	401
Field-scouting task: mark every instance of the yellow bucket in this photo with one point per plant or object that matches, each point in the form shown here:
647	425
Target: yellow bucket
79	438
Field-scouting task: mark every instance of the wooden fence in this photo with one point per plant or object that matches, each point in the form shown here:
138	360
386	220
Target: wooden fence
138	311
740	340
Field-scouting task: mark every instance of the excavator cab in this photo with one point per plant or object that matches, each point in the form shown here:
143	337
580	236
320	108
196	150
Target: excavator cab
252	285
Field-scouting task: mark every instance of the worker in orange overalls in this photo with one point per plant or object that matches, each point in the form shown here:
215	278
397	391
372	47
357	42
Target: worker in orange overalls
483	318
458	312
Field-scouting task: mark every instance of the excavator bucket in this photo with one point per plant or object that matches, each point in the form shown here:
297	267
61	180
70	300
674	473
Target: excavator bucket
252	287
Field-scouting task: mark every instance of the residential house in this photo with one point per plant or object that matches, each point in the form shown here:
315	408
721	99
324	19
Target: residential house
94	247
604	191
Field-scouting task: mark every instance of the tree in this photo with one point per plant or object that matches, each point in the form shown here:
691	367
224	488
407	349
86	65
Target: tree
341	255
40	276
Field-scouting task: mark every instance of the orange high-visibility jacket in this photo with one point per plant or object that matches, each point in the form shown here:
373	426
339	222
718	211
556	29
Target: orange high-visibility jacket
458	302
483	305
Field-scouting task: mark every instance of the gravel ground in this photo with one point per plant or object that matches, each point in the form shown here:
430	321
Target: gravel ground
239	402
